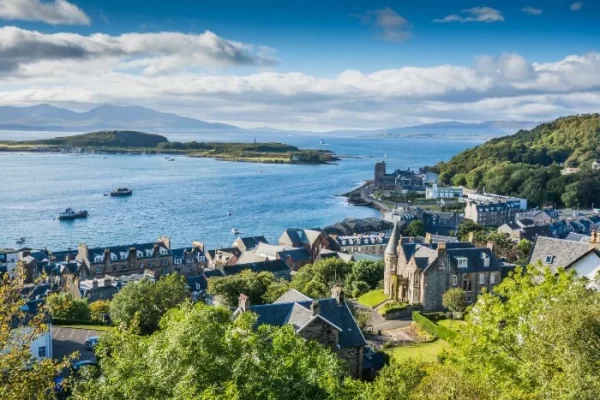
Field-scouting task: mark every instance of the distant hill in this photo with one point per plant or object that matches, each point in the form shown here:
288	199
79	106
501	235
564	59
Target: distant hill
529	163
486	128
124	139
47	117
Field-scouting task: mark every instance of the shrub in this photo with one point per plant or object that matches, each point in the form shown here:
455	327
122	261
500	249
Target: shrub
359	288
432	328
393	306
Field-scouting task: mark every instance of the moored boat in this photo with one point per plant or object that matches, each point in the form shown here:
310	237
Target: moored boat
121	192
69	213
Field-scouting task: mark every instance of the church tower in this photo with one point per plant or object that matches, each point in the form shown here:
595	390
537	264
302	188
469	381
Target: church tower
390	259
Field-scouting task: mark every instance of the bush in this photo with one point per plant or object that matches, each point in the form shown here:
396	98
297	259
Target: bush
393	306
431	327
359	288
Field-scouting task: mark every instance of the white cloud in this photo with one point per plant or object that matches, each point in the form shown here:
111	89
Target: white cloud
532	11
391	25
576	6
475	14
54	12
153	53
127	69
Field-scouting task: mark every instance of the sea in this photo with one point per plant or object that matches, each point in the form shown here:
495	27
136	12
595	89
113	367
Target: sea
190	199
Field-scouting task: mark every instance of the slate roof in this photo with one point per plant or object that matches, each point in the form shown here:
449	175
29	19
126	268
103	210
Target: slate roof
326	253
62	255
297	236
350	226
298	314
117	250
292	295
250	257
475	259
251	242
194	281
531	232
179	253
577	237
562	252
212	273
392	246
232	250
299	254
269	266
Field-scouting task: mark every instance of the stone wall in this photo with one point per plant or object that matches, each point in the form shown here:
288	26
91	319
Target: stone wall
322	332
435	284
352	357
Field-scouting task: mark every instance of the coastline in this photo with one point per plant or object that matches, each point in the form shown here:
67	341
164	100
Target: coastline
359	197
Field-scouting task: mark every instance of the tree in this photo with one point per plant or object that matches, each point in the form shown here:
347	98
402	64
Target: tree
369	272
201	353
316	280
398	380
359	288
536	337
63	306
147	302
523	250
415	228
454	300
19	377
467	227
260	287
98	309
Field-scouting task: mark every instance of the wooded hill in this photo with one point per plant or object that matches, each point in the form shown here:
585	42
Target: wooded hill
528	164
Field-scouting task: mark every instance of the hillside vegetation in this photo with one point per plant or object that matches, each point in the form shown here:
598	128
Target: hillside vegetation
528	164
106	139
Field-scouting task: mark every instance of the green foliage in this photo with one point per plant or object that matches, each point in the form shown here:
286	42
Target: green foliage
393	306
432	328
200	353
468	226
119	139
369	272
454	300
260	287
63	306
415	228
528	163
316	280
373	298
141	305
359	288
398	380
98	309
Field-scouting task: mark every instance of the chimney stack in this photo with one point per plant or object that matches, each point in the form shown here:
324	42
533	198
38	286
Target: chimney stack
428	238
107	255
244	303
472	237
337	292
594	240
314	307
441	248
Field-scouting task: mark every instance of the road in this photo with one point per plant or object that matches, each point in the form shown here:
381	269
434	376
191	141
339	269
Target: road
67	340
379	323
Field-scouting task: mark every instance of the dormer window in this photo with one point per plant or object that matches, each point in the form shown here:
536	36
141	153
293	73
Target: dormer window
149	252
198	287
98	259
486	260
113	257
163	251
140	254
462	262
123	255
549	259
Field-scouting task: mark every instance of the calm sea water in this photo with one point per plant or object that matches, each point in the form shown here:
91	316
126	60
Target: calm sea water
189	199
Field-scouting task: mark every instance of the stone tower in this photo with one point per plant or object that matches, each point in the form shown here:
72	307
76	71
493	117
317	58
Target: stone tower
390	259
379	172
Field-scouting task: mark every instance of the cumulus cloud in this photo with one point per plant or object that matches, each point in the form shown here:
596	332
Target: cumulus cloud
152	53
390	24
475	14
52	12
126	70
532	11
576	6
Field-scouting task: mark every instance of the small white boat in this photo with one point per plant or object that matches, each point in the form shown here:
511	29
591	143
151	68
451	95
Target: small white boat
229	213
235	231
21	240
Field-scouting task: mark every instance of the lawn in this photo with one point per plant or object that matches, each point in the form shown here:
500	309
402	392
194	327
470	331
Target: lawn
102	328
372	298
455	325
426	352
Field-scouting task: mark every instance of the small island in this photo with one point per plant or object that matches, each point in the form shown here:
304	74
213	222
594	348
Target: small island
133	142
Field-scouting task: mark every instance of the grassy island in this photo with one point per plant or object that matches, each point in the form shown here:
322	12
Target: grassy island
133	142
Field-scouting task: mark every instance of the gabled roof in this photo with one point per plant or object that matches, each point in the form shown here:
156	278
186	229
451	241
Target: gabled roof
251	242
298	314
292	295
475	259
556	252
268	266
577	237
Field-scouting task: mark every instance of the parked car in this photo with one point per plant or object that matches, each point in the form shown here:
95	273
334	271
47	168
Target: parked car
91	342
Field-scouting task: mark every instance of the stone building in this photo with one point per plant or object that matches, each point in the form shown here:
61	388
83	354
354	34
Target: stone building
327	321
422	272
399	180
373	245
492	209
312	240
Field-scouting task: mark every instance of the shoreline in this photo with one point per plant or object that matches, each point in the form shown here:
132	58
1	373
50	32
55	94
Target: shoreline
357	197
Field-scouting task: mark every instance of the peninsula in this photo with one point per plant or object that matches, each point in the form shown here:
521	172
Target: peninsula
133	142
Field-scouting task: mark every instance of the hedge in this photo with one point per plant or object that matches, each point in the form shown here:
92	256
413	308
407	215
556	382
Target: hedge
61	321
431	327
394	306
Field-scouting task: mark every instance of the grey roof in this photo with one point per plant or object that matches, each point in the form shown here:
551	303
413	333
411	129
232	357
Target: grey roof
292	295
475	259
200	280
391	248
251	242
124	249
577	237
298	314
297	254
268	265
561	252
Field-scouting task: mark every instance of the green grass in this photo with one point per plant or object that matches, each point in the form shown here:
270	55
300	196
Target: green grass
372	298
426	352
102	328
455	325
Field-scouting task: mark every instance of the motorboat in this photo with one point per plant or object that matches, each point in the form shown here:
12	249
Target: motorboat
21	240
235	231
121	192
69	214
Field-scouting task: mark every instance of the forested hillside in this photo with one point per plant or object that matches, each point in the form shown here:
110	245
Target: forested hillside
529	163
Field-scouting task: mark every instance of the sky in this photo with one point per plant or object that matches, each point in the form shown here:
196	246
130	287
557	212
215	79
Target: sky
309	65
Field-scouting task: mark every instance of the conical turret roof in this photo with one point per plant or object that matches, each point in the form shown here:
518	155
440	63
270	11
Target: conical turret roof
392	246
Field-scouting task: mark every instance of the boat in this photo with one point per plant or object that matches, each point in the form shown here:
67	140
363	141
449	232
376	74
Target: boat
122	191
69	214
323	142
235	231
171	159
21	240
229	213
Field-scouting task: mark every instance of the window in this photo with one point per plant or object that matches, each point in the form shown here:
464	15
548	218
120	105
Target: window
416	279
139	253
188	261
198	287
462	262
481	278
467	287
98	259
486	260
165	271
549	259
42	351
178	261
164	262
163	251
123	255
492	278
98	270
454	280
113	257
149	264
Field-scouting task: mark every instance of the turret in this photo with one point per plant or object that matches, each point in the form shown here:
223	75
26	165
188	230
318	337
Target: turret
391	259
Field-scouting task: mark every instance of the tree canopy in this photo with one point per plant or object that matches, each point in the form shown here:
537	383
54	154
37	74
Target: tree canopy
415	228
260	287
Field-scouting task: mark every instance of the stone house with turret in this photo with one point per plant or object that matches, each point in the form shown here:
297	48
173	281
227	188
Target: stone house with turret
327	321
421	272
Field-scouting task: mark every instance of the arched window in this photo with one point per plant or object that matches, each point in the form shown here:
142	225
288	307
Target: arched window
467	284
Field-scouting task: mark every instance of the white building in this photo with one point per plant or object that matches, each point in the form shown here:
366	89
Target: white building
443	192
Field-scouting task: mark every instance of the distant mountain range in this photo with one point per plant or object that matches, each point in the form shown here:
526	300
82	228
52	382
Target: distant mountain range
110	117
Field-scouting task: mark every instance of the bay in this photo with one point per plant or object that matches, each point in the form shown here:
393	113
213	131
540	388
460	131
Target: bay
189	199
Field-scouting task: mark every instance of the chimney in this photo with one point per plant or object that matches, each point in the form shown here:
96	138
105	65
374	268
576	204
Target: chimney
244	303
594	242
472	237
337	292
314	307
166	241
82	251
441	248
107	281
428	238
198	245
95	283
106	255
132	253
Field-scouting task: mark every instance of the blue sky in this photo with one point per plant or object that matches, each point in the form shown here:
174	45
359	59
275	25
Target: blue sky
296	53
